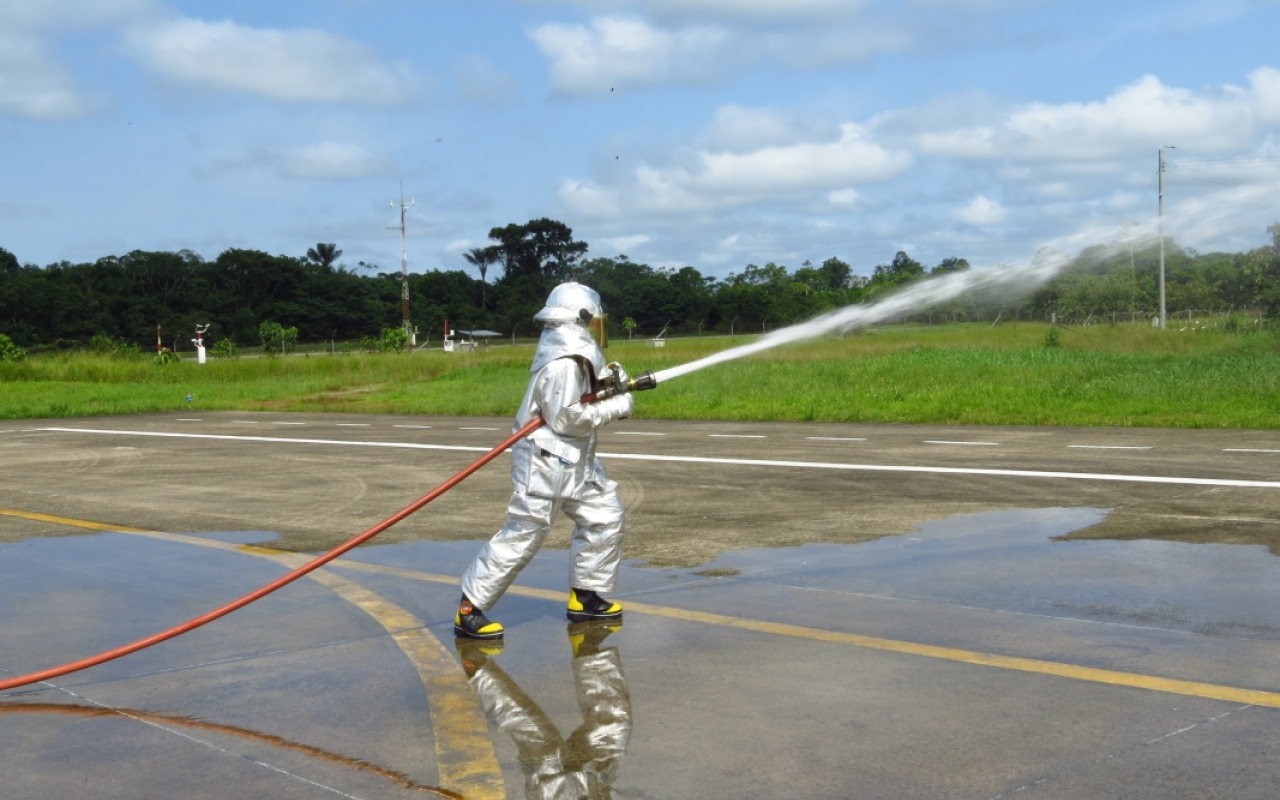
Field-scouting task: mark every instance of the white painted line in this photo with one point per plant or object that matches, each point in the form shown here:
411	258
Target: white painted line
735	436
190	420
1107	447
637	433
277	439
477	429
353	424
983	444
834	439
411	426
742	462
288	423
245	421
1246	450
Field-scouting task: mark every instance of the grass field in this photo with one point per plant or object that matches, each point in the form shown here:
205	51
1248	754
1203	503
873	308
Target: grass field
967	374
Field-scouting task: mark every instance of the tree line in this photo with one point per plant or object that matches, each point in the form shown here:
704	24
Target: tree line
124	297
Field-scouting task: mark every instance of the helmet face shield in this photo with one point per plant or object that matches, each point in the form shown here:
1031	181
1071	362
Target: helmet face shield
599	328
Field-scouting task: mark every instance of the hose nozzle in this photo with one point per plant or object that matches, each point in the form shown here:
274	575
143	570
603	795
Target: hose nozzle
614	385
643	381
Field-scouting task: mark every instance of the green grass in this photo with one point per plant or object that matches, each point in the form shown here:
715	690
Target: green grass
970	374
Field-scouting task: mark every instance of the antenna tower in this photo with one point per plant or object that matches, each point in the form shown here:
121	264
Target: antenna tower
404	269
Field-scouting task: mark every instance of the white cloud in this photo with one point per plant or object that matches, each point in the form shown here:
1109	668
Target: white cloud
842	197
977	142
1144	113
590	198
739	129
34	86
623	244
1266	94
336	160
299	65
981	211
616	52
721	179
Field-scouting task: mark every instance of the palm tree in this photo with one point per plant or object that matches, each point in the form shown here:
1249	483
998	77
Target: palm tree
324	254
482	258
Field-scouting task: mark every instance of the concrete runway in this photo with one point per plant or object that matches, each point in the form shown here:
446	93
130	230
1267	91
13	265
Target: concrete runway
813	610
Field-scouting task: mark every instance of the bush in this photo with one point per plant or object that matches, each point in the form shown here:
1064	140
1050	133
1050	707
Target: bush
10	351
223	348
1053	337
167	356
1239	323
102	344
276	339
393	340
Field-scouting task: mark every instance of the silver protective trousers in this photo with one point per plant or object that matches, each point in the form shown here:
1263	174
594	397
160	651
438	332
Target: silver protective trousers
595	550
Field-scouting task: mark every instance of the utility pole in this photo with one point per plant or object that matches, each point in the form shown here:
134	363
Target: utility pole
1160	173
409	338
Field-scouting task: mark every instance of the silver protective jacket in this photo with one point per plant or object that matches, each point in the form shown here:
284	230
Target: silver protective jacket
557	460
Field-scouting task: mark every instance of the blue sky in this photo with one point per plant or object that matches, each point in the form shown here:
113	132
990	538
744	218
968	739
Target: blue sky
714	133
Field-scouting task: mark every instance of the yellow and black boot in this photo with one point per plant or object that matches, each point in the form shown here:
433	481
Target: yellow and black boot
586	605
471	623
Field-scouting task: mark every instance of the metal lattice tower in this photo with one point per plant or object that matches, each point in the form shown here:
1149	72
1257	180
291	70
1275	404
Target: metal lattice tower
404	267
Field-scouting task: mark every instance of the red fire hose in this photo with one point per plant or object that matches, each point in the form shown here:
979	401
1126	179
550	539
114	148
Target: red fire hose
283	580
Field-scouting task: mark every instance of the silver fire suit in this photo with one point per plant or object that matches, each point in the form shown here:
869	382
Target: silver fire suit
555	469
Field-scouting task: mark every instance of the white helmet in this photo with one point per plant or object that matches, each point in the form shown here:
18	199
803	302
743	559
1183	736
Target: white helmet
570	302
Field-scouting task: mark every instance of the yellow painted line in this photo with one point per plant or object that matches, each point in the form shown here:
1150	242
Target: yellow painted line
467	762
1058	669
75	523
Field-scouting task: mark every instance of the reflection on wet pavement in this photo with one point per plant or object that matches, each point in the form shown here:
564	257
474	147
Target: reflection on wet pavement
755	674
585	765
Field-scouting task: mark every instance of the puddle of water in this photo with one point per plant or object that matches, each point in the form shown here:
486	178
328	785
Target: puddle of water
1008	560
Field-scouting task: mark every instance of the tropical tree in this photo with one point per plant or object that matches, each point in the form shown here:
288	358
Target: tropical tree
543	247
482	258
324	254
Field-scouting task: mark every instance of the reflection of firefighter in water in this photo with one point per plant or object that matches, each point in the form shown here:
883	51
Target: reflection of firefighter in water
584	766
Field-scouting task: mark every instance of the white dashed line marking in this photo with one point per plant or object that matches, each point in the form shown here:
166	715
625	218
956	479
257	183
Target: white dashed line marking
353	424
411	426
477	429
834	439
190	420
1246	450
736	436
1010	473
1107	447
983	444
288	423
636	433
245	421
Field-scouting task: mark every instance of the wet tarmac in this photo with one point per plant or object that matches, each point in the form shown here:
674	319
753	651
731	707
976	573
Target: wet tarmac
973	658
